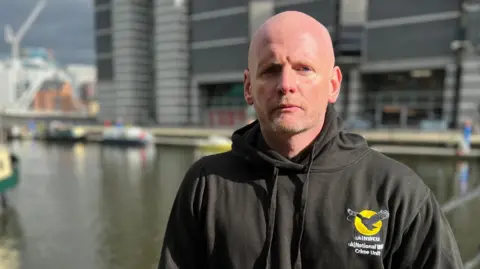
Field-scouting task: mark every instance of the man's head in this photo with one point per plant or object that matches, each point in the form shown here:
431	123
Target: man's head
291	75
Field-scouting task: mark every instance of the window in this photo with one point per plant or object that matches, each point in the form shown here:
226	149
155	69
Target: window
103	19
353	12
105	69
102	2
104	44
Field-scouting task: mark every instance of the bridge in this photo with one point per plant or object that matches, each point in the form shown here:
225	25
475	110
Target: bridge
27	96
13	117
27	77
24	90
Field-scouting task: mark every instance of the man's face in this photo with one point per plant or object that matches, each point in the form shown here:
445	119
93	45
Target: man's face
290	83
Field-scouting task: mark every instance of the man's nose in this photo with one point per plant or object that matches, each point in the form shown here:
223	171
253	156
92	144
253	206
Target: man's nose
287	81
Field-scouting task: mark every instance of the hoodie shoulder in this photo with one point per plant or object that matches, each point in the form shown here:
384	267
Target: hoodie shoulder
221	164
397	186
391	171
421	235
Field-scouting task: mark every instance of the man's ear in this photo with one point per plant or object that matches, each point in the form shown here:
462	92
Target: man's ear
335	85
247	87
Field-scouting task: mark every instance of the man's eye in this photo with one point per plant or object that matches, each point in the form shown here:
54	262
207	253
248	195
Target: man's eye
304	69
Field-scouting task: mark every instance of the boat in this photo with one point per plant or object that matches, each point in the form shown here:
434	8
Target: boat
127	136
215	144
9	170
15	133
9	173
58	131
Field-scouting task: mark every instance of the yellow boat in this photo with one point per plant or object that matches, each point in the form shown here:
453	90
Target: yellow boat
214	145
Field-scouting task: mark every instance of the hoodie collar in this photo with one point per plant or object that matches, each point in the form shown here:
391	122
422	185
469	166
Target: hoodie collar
331	148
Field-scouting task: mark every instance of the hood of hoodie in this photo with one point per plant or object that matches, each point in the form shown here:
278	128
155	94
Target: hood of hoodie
332	149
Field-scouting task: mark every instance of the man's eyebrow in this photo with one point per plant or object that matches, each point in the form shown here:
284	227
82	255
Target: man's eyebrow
262	63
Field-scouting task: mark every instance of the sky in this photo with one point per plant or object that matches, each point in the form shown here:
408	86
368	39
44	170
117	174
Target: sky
66	26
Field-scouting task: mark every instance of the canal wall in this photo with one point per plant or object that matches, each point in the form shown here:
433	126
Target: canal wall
382	137
390	142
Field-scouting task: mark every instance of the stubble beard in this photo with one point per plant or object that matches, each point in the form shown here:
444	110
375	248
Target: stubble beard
279	127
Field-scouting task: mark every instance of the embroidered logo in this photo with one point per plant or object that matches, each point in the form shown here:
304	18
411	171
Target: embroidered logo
367	238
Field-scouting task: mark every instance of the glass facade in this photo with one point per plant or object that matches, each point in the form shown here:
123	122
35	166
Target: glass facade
404	99
103	40
224	104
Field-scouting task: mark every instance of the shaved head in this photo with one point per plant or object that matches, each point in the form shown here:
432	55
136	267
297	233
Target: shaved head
291	77
291	23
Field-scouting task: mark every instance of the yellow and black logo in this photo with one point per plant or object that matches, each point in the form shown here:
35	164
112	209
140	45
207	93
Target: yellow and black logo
367	222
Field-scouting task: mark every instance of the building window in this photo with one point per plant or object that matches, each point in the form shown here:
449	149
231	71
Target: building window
105	69
103	19
104	44
102	2
353	12
404	99
224	104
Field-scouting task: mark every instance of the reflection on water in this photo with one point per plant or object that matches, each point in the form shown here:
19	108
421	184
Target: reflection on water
86	206
10	239
464	219
445	176
463	174
455	183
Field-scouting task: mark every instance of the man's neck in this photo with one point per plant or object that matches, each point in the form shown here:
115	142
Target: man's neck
290	146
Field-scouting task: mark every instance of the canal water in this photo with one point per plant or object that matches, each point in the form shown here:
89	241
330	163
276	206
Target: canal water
86	206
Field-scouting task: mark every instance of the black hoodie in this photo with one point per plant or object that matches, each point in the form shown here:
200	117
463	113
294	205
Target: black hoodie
337	205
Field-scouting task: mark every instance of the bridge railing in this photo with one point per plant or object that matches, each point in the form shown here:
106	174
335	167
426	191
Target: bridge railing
15	112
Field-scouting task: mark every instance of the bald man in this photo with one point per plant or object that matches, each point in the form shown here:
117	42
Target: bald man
297	190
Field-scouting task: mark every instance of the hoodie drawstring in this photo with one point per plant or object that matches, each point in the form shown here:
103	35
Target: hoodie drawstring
272	210
303	210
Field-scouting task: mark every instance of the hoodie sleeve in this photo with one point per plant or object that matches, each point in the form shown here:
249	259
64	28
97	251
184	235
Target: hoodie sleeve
428	242
184	244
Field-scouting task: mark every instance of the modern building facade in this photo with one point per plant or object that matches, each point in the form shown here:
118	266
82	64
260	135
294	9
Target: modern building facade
180	62
124	44
409	62
221	32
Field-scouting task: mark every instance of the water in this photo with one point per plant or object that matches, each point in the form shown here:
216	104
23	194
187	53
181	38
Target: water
85	206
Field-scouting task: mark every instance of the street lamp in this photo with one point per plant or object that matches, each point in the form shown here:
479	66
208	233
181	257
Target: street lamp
461	46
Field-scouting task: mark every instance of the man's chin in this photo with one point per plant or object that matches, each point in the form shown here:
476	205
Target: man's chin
288	127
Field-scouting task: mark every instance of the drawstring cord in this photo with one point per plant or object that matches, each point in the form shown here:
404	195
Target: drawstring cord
272	210
303	211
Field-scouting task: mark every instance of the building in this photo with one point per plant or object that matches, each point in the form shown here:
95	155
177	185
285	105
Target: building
221	32
124	38
167	62
54	95
82	73
174	62
409	62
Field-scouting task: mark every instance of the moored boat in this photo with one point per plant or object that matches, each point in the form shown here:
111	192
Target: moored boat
215	144
9	173
127	136
58	131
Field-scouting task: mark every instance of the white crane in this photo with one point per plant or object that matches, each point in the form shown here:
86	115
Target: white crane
14	39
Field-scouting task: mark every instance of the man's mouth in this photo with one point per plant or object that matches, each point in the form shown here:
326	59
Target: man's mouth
288	107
